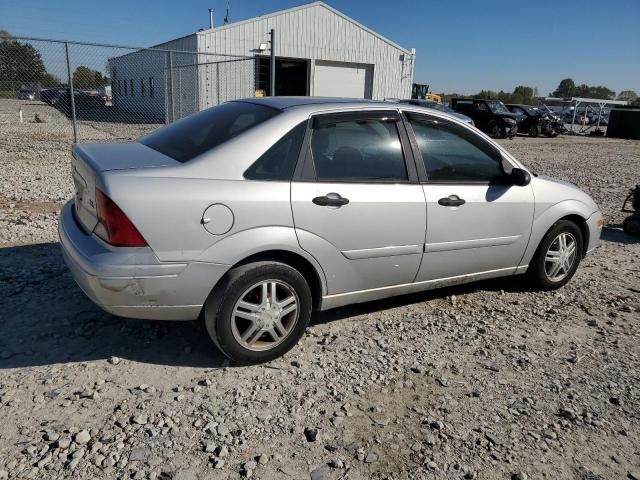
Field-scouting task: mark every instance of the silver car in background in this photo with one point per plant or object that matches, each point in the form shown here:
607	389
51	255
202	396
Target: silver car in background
254	213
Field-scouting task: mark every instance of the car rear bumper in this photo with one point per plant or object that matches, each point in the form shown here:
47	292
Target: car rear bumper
132	282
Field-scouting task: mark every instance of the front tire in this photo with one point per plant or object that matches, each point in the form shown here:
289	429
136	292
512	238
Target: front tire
558	256
258	312
496	131
534	131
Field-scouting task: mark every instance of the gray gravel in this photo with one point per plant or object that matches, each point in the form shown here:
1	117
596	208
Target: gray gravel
490	380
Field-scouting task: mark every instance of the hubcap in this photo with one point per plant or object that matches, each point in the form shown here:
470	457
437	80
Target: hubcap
264	315
560	257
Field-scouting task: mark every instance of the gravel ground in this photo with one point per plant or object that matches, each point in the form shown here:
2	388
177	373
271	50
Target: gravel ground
485	381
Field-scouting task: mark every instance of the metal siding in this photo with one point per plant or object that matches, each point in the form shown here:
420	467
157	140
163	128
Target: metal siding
317	33
314	32
152	63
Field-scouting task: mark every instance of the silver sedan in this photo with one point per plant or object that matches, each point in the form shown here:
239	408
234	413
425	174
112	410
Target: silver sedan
252	214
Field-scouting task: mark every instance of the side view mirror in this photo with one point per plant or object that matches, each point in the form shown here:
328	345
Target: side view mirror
520	177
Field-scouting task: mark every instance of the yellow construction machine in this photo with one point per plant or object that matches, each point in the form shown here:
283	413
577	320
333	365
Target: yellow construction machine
420	91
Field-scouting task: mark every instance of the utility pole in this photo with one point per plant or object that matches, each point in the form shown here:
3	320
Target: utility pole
272	63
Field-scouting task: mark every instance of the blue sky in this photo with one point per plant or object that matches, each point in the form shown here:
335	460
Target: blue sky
462	45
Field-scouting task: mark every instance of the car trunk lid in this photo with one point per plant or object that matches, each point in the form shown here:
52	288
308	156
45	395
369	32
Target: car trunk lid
89	161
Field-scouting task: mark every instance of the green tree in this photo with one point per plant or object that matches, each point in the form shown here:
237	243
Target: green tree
487	95
49	80
522	94
587	91
628	96
504	96
566	89
87	78
101	80
84	77
21	62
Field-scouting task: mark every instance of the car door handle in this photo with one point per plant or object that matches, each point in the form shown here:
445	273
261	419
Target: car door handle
331	200
451	201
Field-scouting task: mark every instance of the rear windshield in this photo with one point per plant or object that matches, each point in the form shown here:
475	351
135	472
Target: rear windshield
198	133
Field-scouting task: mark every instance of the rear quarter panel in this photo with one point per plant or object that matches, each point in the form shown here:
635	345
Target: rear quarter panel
168	212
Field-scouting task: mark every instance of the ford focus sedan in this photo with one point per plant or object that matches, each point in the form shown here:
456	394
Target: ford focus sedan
252	214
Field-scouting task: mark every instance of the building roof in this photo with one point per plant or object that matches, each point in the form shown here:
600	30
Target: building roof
303	7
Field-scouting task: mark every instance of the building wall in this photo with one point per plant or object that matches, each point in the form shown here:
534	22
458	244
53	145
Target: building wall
225	66
146	64
317	32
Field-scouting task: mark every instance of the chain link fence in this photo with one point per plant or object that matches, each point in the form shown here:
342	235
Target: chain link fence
95	92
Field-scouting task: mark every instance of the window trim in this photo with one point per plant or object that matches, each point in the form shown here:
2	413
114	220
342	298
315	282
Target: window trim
306	172
467	134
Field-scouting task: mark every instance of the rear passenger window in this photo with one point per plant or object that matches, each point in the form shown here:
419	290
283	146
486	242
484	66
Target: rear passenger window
450	154
279	162
358	150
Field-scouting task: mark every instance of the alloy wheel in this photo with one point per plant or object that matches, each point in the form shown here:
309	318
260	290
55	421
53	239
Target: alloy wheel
265	315
560	257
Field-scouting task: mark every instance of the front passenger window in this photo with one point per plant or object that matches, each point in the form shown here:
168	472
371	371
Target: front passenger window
450	157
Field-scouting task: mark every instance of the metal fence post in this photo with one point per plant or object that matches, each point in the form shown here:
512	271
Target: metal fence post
171	107
573	119
73	103
272	64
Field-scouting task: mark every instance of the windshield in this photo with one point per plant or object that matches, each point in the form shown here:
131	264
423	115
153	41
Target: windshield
498	107
202	131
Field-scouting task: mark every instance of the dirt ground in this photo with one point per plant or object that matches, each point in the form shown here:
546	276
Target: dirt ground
491	380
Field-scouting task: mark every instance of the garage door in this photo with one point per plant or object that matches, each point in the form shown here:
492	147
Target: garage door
341	79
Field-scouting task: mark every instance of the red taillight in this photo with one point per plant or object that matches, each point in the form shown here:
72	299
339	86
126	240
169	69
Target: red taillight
114	227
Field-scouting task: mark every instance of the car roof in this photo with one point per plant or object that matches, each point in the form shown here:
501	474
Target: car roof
316	103
301	107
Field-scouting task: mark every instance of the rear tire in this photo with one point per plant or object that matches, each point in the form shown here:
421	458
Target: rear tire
258	312
558	256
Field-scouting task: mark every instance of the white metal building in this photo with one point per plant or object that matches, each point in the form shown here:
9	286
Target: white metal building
319	52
